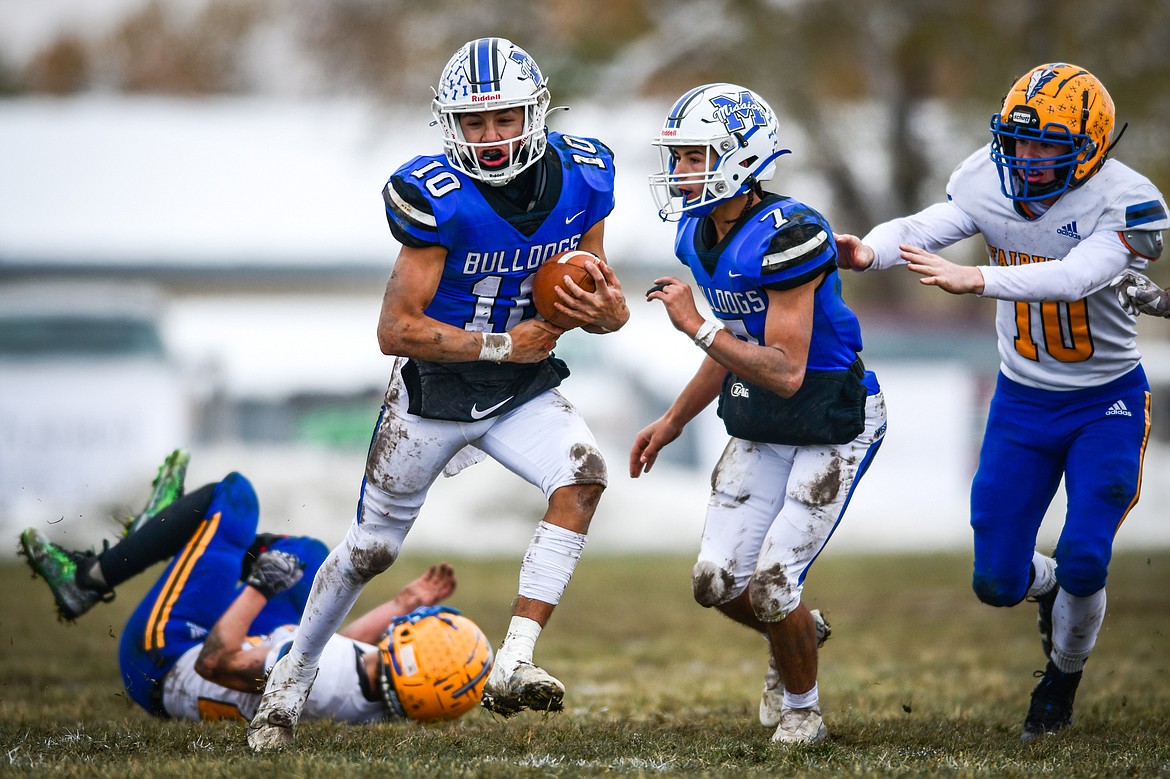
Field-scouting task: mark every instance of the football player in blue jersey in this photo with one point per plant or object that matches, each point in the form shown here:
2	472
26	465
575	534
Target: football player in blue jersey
197	645
474	373
782	355
1060	220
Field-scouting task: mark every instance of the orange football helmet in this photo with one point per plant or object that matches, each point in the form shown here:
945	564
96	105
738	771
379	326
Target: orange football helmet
434	663
1055	103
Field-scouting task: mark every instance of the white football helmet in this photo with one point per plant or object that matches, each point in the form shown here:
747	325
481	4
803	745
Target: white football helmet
489	74
741	134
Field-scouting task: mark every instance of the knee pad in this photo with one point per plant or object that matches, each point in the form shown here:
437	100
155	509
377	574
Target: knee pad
998	592
372	549
712	585
773	594
1082	575
588	465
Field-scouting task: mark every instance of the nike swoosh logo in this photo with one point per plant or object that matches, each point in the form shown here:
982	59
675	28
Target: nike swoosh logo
477	414
731	275
574	216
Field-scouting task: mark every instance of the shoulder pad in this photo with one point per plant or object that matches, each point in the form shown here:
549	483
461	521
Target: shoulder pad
407	202
793	246
409	212
589	155
1143	243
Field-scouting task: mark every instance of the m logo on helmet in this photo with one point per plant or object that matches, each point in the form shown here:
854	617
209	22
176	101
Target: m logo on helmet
737	114
528	67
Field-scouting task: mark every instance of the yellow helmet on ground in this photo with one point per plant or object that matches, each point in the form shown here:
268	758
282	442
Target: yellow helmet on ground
434	663
1055	103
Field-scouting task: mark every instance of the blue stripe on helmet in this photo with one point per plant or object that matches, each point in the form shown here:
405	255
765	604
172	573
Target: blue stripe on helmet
679	109
485	76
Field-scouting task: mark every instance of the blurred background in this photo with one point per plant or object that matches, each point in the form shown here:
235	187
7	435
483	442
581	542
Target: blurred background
193	245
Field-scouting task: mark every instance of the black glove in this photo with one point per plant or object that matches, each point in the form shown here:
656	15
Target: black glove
274	572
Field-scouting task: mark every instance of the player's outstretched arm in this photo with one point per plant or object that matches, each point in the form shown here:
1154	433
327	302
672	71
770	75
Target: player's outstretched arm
434	586
852	254
942	273
703	388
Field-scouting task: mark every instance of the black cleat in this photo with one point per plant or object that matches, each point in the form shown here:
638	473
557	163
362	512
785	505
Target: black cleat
1052	703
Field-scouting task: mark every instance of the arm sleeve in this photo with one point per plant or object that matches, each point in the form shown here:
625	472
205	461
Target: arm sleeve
1089	267
933	228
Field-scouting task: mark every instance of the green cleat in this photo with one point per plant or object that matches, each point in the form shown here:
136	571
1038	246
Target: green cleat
168	486
59	567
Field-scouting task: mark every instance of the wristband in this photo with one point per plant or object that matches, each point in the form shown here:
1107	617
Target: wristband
705	335
497	347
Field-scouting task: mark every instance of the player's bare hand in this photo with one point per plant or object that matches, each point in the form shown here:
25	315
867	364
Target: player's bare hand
533	340
434	586
603	310
679	301
648	443
942	273
852	254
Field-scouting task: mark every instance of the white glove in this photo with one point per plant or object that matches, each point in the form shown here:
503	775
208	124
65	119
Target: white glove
1140	295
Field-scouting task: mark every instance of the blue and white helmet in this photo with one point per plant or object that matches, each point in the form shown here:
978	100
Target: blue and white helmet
741	134
490	74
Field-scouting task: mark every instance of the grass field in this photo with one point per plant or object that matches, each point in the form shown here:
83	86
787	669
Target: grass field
918	679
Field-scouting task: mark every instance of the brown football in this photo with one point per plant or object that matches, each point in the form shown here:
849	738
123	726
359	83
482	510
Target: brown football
551	275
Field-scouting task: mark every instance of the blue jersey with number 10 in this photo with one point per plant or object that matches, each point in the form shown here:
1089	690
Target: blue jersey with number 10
487	281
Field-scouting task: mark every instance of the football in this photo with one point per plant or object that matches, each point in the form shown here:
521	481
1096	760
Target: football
551	275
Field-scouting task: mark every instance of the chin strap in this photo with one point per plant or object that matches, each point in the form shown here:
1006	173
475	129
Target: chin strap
1120	133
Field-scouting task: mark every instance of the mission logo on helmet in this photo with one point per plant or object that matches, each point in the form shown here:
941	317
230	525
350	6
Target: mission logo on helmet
552	274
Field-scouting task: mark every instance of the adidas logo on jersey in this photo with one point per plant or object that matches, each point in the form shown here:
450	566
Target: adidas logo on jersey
1070	230
1118	409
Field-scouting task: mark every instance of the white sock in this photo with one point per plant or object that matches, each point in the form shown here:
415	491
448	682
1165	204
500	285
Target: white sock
301	668
518	644
1044	568
1075	625
805	700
